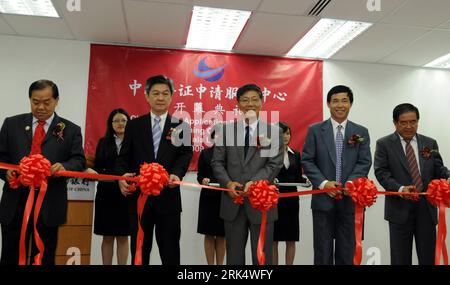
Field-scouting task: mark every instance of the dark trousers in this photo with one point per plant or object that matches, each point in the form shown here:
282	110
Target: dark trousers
11	238
167	232
236	235
334	236
420	226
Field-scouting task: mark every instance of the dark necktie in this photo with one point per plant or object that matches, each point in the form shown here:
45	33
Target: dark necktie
38	137
413	167
247	140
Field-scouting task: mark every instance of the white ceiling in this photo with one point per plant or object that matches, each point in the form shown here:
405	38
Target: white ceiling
405	32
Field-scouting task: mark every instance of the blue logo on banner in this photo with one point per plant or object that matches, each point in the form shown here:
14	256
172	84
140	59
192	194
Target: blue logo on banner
208	73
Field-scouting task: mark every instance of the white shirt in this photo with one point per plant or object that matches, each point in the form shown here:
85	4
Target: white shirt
162	122
252	128
118	143
415	147
335	125
47	123
286	157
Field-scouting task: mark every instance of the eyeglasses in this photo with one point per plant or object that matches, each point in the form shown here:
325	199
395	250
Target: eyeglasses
246	101
120	121
164	94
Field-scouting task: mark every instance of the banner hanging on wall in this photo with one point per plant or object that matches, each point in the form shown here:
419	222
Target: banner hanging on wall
205	88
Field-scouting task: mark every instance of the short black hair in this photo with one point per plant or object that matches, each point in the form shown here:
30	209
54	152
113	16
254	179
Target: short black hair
158	79
340	89
284	127
404	108
41	85
248	87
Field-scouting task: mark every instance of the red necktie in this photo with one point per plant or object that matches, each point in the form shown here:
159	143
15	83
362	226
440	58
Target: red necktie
413	167
38	137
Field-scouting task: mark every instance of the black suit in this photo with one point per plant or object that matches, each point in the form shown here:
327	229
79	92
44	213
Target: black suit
287	227
15	143
162	212
408	219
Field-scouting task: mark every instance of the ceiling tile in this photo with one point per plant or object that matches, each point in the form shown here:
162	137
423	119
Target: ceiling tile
184	2
445	25
429	47
272	33
357	10
39	26
429	13
5	28
291	7
378	42
99	20
247	5
158	24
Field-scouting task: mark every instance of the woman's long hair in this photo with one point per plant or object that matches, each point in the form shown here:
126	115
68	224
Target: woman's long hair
109	138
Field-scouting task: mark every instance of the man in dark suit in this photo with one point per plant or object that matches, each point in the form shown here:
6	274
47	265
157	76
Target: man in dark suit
148	139
246	151
336	151
406	161
61	144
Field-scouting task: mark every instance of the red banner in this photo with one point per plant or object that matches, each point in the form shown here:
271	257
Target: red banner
205	88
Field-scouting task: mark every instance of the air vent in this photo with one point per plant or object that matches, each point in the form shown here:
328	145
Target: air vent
318	8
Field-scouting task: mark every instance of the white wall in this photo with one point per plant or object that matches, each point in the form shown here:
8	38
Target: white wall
377	89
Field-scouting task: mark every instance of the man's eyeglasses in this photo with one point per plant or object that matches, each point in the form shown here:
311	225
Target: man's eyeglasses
247	101
119	121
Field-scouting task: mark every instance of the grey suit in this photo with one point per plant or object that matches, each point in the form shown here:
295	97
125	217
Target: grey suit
229	164
406	218
333	219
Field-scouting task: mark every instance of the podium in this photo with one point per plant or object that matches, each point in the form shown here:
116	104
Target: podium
74	237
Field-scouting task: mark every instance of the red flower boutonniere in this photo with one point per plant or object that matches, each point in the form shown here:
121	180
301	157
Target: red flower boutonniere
427	152
355	139
262	141
171	133
58	131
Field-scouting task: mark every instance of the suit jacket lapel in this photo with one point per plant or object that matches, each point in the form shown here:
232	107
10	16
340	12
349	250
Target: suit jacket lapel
28	128
328	138
349	131
421	161
49	133
163	144
252	147
148	136
238	127
399	149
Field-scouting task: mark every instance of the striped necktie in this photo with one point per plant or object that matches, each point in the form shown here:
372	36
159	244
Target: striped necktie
413	167
156	130
339	150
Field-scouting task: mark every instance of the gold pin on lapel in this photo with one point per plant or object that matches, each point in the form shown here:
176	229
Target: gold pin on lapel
27	128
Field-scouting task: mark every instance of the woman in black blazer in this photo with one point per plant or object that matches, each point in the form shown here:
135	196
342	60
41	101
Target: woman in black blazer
209	222
112	215
287	227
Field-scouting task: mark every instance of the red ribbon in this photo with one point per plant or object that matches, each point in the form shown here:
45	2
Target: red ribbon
438	194
263	197
34	170
363	193
151	180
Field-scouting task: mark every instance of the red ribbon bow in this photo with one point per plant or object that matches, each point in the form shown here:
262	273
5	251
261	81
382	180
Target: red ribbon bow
438	194
34	170
262	197
151	180
364	194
